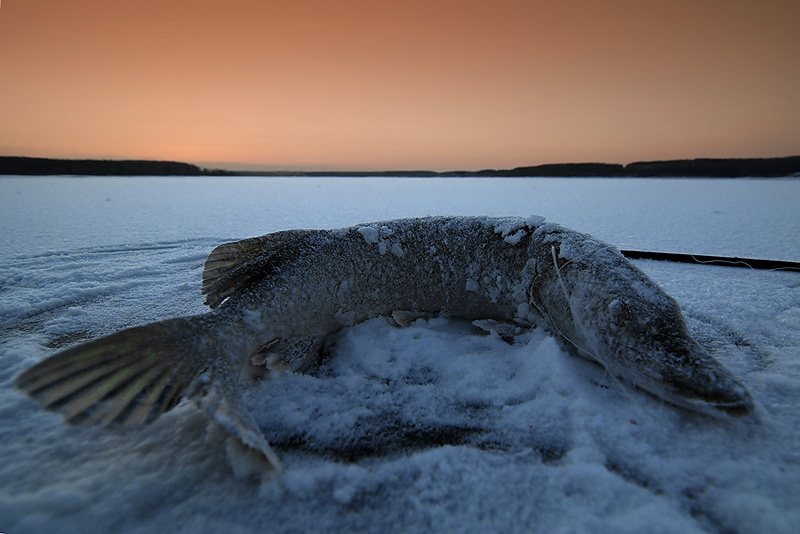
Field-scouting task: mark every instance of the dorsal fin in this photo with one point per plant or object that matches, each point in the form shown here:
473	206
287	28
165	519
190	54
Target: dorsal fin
232	265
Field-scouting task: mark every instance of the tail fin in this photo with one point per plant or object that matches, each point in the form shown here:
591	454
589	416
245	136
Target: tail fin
129	377
134	376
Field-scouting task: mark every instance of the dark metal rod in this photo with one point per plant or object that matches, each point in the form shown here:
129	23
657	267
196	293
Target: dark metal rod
774	265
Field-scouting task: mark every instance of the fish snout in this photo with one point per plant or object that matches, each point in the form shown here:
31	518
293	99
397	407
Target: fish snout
704	385
660	355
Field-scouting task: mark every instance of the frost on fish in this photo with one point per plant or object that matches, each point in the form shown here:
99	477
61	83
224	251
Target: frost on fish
506	226
276	298
381	236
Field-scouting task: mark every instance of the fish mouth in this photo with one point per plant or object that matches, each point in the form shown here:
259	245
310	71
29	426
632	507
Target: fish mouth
738	409
724	395
730	398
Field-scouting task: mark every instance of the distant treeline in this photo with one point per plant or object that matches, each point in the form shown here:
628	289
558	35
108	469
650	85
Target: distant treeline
761	167
728	167
94	167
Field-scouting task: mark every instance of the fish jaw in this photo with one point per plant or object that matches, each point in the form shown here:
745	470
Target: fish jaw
705	386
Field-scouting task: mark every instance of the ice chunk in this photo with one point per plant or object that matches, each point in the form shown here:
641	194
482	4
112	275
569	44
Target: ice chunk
507	226
369	233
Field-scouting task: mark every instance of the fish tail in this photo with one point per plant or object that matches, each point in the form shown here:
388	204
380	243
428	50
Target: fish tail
136	375
129	377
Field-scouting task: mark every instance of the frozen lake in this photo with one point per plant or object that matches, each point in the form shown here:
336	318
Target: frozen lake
742	217
431	428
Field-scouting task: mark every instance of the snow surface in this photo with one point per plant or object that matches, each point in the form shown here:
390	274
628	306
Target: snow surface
431	428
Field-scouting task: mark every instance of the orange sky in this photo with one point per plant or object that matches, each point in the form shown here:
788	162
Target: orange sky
377	84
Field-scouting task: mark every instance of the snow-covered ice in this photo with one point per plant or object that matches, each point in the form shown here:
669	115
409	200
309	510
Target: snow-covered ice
430	428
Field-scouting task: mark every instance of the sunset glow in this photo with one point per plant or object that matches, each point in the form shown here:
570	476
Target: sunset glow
362	84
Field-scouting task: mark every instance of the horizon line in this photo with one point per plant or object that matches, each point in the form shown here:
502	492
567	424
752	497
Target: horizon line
272	169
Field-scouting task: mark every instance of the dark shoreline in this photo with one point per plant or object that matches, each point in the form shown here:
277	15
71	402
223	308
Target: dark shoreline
700	168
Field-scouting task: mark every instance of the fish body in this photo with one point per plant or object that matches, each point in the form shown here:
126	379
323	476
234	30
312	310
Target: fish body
276	298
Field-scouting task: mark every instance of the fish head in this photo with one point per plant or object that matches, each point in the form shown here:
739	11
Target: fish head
650	346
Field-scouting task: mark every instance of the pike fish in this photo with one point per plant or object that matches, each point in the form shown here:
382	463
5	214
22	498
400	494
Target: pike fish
275	298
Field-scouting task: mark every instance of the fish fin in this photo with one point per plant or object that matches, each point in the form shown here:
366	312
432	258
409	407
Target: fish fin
226	407
404	318
135	375
232	265
129	377
505	330
297	353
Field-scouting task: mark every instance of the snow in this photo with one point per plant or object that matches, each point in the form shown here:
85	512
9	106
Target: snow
429	428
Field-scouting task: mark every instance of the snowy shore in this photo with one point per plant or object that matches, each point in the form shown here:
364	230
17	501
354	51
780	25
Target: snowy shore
430	428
